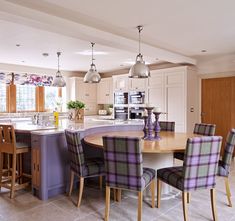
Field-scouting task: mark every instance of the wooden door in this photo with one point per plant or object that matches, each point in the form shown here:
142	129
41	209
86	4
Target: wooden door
218	104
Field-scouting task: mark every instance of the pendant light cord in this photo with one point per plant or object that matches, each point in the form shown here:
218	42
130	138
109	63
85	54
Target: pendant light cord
92	58
58	54
140	28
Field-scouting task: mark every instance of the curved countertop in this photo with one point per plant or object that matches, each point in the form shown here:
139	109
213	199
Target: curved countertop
90	124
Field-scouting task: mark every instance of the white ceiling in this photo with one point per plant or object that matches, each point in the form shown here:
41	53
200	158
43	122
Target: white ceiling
174	31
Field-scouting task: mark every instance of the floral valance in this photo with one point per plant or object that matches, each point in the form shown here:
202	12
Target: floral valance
26	79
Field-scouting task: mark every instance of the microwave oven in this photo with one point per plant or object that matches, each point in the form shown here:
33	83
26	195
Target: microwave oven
137	97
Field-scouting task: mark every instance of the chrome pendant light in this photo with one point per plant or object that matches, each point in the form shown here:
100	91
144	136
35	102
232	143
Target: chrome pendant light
139	69
92	76
58	80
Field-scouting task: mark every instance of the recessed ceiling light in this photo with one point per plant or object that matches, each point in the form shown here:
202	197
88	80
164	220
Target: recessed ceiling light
203	50
18	45
23	61
88	52
45	54
121	65
157	58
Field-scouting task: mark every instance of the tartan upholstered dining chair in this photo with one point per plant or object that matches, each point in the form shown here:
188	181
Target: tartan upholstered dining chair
200	129
167	125
124	169
81	166
224	164
198	171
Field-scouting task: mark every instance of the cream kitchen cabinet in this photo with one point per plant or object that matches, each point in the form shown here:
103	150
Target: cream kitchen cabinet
84	92
105	91
176	92
138	84
120	83
156	93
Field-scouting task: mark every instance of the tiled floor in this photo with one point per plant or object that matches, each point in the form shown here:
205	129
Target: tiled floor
26	207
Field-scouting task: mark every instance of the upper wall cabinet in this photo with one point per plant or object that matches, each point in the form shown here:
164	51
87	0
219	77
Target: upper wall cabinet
136	84
105	91
120	83
84	92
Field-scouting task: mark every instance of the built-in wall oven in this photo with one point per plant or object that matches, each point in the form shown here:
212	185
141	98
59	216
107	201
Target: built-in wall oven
120	98
121	113
136	112
137	97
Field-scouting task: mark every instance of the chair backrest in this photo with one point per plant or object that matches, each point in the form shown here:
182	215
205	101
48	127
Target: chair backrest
201	162
123	162
167	125
75	149
204	129
7	139
228	151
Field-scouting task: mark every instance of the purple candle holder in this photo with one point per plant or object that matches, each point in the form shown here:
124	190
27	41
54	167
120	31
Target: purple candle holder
157	127
149	124
145	127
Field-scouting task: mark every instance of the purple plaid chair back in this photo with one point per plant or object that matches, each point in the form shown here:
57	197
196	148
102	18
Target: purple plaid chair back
167	125
224	164
76	151
123	162
201	162
204	129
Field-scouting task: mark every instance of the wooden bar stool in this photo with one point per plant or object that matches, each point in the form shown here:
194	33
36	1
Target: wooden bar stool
8	145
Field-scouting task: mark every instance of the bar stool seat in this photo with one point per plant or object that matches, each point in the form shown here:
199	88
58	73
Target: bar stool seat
12	150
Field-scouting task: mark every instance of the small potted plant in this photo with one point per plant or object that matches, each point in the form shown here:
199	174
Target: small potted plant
76	109
110	109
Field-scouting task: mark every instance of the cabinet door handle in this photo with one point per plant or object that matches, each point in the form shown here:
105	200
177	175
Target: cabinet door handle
34	166
38	167
87	95
107	94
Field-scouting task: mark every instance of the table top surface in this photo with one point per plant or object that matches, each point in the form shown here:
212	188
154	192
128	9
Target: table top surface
170	141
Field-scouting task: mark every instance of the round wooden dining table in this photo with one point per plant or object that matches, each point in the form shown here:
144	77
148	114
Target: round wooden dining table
156	153
170	142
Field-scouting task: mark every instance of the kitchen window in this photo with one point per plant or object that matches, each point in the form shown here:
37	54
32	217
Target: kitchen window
53	98
3	97
25	98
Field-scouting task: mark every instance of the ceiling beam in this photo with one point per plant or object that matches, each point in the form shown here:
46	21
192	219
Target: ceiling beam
41	15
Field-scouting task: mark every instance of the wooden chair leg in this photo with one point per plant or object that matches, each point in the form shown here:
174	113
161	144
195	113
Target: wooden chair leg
1	168
81	185
185	208
21	168
115	195
101	182
107	202
153	192
71	182
13	176
213	204
159	185
228	193
140	204
188	197
119	195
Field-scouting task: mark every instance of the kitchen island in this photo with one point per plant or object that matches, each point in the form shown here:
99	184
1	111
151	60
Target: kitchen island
49	158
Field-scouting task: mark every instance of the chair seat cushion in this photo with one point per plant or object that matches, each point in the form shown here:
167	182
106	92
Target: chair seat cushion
179	155
148	175
172	176
22	145
221	170
93	167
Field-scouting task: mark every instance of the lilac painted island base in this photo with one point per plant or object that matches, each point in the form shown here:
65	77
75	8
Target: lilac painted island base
54	159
